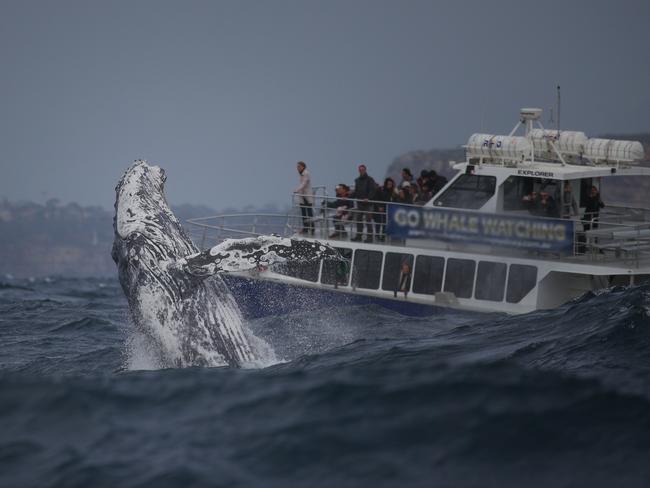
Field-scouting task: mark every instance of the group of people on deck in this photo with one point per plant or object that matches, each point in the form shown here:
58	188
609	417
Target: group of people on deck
543	204
366	201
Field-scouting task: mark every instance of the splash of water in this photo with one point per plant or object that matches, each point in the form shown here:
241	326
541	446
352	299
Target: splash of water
162	344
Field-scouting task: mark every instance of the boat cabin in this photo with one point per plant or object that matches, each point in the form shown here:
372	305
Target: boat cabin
513	174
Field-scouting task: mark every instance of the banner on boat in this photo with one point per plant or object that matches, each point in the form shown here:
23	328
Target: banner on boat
480	228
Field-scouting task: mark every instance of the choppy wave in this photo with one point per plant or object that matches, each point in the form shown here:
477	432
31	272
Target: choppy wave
363	396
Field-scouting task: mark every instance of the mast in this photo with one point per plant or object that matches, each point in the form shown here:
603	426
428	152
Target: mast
558	112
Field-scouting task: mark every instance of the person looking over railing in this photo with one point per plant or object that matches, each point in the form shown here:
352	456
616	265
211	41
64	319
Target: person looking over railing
407	177
364	190
424	179
342	206
385	195
305	198
425	194
407	194
437	181
593	204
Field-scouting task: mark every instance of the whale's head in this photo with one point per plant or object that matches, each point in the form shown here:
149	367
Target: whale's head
140	196
145	227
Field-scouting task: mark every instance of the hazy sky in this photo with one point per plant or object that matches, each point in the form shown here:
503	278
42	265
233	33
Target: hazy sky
227	96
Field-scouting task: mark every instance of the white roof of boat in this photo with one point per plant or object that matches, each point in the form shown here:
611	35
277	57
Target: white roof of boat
556	171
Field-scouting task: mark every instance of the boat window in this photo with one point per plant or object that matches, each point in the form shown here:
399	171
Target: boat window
393	270
521	280
304	270
459	278
515	188
337	272
468	191
490	281
367	269
427	278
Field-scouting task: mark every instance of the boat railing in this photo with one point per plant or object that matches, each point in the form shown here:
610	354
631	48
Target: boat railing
620	234
208	231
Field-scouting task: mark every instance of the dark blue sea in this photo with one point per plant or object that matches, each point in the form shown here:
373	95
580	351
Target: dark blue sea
363	397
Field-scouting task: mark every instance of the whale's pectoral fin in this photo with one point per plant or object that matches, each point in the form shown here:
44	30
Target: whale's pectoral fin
252	253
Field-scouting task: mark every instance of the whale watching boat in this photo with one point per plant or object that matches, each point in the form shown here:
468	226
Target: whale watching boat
512	231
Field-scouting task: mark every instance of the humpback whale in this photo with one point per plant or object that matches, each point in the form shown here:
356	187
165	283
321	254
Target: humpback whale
175	294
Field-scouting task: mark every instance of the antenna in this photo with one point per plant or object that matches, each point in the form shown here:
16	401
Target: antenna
558	111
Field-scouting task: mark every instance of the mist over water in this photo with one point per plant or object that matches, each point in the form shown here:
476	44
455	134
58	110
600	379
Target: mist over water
359	395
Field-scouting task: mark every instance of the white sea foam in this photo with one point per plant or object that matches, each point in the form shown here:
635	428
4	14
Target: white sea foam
160	346
141	353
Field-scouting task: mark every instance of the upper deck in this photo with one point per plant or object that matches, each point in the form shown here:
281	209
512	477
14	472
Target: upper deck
621	240
493	205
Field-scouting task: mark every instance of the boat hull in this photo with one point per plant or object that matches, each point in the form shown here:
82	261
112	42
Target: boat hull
259	298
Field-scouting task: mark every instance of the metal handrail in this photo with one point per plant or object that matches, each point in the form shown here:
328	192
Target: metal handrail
603	240
634	246
249	214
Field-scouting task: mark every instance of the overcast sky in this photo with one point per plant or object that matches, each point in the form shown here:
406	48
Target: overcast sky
227	96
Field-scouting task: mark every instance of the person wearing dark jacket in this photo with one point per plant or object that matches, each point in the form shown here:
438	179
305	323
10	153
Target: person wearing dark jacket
593	204
385	195
437	181
364	190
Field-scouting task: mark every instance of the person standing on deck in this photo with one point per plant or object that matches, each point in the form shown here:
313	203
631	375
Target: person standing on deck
364	190
593	204
342	206
305	199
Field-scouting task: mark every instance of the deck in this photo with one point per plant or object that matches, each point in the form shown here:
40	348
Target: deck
622	237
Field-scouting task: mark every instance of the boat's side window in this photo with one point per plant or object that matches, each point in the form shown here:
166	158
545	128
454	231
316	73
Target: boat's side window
337	272
367	269
307	271
459	277
428	274
490	281
468	191
515	188
394	265
521	280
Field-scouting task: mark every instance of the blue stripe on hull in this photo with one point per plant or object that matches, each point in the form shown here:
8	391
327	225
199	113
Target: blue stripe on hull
260	298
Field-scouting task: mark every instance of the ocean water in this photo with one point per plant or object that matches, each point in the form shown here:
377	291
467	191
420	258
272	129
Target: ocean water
362	397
